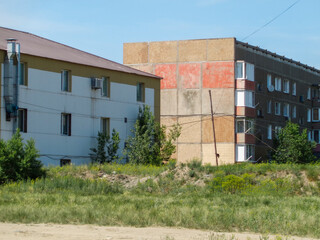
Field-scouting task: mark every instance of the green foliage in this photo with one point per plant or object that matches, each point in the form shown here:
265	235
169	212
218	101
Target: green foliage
150	144
107	149
293	146
18	160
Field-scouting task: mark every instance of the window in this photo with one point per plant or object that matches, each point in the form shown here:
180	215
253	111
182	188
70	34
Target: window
315	114
277	82
244	125
269	80
277	130
269	131
315	136
22	119
286	86
105	91
286	110
245	153
65	162
140	92
301	120
66	124
309	94
277	110
245	71
239	70
294	112
65	81
294	89
105	126
249	72
23	74
309	135
245	98
309	115
269	106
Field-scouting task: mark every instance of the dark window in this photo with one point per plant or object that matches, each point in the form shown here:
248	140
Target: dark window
66	124
64	162
23	74
65	81
22	119
140	92
105	125
105	87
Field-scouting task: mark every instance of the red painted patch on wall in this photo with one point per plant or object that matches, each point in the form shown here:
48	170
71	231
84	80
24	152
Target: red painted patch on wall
169	74
189	75
218	75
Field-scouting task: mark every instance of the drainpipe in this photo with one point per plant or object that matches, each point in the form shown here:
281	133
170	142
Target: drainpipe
11	81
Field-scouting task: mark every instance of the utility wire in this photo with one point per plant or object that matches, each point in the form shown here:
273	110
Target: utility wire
273	19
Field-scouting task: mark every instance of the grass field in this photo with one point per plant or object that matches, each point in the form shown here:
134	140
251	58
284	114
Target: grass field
262	198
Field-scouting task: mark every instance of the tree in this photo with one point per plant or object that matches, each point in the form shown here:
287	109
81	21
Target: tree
18	160
291	146
107	149
150	144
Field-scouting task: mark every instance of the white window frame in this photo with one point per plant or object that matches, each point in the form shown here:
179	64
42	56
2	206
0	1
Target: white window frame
286	110
269	80
309	94
294	111
286	86
308	115
269	131
269	107
294	89
245	150
277	83
309	135
247	125
245	98
277	111
247	70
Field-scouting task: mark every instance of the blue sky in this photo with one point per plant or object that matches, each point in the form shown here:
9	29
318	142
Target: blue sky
101	27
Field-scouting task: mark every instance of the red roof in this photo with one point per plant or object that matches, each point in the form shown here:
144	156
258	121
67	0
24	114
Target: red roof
37	46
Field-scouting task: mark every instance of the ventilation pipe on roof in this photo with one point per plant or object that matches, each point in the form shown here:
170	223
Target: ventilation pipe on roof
11	76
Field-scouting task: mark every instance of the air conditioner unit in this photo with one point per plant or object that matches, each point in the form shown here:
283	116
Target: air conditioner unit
96	83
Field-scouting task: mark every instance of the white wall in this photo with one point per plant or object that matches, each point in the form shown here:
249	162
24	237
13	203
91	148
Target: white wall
45	102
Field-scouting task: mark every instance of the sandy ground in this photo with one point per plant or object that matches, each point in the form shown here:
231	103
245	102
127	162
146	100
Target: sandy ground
9	231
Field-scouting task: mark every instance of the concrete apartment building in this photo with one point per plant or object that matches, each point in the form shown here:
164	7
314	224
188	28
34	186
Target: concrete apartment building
254	93
61	96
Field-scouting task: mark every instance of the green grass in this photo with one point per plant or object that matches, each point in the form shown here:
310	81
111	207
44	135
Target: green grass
238	198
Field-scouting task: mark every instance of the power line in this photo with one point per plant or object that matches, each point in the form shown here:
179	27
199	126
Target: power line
273	19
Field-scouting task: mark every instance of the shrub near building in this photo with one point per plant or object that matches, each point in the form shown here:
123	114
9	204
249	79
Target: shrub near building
18	160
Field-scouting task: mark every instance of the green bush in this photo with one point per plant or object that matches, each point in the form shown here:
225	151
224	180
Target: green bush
150	144
18	160
99	154
293	146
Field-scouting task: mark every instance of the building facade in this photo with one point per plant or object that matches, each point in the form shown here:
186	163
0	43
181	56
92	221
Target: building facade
254	93
61	97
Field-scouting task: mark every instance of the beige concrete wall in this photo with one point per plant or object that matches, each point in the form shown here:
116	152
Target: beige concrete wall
135	53
226	153
190	69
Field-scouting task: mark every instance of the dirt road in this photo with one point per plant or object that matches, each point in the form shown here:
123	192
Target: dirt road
9	231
